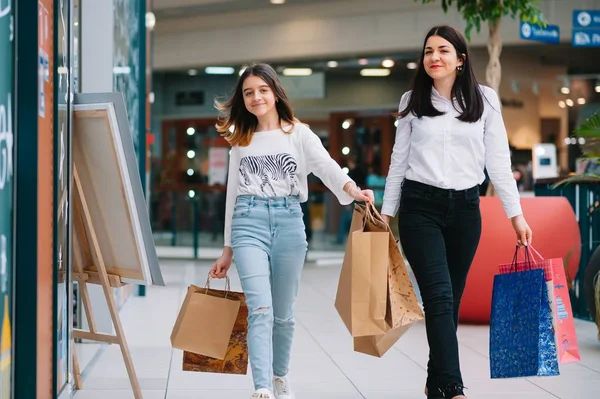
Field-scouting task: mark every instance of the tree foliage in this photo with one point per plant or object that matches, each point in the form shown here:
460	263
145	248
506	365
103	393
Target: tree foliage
476	12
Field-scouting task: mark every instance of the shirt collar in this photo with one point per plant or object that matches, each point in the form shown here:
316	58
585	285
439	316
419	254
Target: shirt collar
437	96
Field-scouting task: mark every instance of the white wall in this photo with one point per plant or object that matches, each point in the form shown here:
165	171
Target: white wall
323	30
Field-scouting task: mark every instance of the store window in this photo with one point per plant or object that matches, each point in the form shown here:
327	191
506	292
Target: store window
62	201
6	194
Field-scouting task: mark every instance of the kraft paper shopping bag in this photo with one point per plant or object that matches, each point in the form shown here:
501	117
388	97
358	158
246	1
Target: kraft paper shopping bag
205	321
236	358
361	299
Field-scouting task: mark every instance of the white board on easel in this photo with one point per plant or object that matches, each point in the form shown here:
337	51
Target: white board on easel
104	156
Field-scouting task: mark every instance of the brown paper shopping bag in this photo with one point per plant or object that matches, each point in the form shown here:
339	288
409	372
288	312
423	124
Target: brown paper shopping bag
205	321
361	298
236	358
403	307
378	345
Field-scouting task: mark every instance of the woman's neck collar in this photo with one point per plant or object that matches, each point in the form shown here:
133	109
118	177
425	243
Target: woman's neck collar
444	87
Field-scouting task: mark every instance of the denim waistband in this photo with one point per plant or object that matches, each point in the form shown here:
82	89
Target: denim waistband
269	201
439	192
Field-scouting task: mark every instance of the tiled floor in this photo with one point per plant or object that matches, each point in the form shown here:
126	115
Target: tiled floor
323	363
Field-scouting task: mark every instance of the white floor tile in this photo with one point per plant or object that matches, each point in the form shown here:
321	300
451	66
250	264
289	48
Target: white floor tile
323	363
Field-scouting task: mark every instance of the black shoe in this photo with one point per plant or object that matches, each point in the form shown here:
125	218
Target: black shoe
433	394
452	390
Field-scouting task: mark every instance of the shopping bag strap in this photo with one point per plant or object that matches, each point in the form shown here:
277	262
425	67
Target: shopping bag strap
227	285
374	216
528	259
535	252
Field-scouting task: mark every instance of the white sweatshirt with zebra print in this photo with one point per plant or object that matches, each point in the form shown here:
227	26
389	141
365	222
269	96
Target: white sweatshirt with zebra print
277	164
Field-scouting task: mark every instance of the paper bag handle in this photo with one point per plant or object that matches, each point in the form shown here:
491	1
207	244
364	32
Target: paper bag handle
227	285
374	215
528	259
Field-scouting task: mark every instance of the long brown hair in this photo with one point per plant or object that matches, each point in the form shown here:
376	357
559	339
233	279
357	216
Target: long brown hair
234	113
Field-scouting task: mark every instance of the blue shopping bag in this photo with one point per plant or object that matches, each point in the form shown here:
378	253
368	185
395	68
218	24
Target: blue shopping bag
521	336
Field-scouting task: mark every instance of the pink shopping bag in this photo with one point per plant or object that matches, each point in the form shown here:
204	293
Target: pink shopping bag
558	296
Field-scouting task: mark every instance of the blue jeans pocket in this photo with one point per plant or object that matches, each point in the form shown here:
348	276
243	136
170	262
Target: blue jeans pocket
295	210
241	210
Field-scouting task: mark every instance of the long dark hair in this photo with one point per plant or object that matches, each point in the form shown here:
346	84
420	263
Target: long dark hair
234	112
465	90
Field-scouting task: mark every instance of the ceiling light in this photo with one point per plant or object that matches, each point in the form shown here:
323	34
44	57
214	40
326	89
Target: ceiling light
277	1
216	70
345	150
396	123
569	102
332	64
193	72
150	20
387	63
374	72
581	140
347	123
345	170
565	90
191	131
581	101
363	61
597	88
191	193
411	65
191	154
562	104
190	172
297	72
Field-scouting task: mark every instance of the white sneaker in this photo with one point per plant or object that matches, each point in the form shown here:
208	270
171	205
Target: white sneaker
263	393
282	389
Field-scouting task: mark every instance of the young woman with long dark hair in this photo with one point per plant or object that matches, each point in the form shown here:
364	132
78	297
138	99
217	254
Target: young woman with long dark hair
272	154
449	129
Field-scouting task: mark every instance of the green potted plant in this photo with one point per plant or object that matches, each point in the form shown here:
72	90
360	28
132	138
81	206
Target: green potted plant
590	132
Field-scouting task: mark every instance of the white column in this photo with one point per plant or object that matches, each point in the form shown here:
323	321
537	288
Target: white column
96	76
97	48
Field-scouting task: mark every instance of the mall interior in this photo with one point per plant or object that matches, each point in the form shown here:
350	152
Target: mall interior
92	285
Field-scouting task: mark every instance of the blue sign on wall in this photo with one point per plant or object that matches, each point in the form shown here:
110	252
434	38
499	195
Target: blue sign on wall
586	18
547	34
586	28
586	37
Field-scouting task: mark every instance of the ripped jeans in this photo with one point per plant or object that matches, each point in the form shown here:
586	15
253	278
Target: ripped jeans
269	247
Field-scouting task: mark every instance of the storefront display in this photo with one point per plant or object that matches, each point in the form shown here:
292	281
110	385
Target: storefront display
6	193
62	200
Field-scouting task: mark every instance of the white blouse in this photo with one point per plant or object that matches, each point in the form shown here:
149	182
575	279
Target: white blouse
445	152
277	164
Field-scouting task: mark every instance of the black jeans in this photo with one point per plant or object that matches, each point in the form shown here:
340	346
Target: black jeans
439	232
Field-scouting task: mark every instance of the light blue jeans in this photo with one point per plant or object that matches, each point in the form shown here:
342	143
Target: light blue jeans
269	248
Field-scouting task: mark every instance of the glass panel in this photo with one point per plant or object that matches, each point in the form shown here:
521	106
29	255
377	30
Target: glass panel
126	72
62	157
6	192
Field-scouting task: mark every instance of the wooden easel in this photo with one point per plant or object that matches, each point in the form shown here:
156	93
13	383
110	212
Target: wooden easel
83	245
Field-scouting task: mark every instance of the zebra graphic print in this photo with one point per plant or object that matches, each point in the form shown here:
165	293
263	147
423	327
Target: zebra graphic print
268	168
